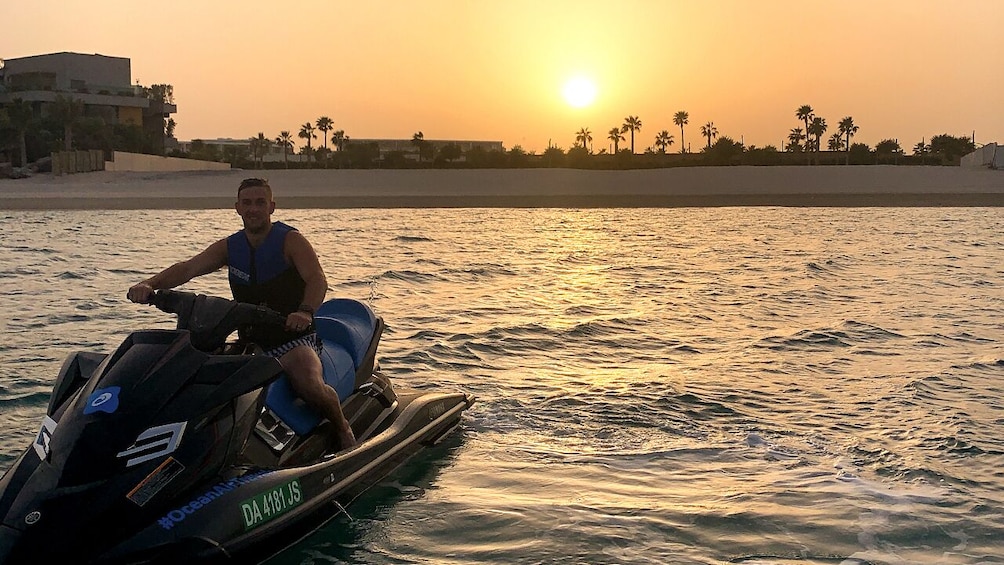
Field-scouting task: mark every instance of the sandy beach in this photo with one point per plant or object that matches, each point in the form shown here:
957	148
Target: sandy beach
691	186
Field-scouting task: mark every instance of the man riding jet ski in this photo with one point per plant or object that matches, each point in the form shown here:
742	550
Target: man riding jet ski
272	264
179	446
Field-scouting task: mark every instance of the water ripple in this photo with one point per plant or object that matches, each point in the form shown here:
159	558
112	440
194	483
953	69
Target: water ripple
754	385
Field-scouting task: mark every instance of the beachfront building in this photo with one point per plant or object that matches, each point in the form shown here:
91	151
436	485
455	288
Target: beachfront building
101	83
990	156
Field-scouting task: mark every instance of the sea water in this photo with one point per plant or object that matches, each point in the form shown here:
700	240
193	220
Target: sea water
722	385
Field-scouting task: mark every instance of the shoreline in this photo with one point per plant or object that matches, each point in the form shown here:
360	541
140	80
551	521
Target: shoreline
805	186
821	200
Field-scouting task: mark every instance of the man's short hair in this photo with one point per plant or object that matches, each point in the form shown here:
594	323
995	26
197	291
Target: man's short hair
254	183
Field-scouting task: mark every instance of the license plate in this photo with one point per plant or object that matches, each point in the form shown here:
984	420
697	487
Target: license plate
271	504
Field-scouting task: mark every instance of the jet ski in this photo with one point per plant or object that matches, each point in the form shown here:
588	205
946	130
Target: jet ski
182	445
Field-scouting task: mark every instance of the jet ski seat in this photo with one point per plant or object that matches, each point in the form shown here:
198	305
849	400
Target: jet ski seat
346	329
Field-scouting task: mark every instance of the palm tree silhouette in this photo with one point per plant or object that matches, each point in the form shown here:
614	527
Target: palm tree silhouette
21	114
817	128
681	119
68	112
418	140
835	142
339	138
709	130
795	138
585	137
632	124
285	140
259	147
804	113
848	129
616	137
663	140
307	132
324	125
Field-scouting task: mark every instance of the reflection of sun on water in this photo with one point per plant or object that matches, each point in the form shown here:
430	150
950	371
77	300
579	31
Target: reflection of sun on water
572	242
579	92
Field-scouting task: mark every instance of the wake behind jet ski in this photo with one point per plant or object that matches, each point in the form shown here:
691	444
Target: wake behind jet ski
181	446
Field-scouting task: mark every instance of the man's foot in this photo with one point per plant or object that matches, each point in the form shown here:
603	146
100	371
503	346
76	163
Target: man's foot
346	438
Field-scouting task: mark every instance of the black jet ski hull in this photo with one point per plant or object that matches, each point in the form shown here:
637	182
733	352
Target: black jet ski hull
181	447
257	515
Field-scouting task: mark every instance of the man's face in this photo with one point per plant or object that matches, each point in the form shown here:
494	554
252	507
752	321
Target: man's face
255	207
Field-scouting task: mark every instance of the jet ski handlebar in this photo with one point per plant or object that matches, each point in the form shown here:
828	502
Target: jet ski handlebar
211	319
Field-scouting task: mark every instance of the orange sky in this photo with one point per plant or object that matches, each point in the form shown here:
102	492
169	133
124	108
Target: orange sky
478	69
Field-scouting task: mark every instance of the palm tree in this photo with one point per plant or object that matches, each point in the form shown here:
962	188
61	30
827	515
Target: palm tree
253	149
307	132
817	128
21	114
795	138
338	138
804	113
266	147
921	148
585	137
418	140
681	119
848	129
663	140
835	143
259	147
285	140
324	125
709	131
616	137
67	112
632	124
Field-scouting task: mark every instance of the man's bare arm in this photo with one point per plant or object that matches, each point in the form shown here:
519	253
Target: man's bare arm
301	254
212	259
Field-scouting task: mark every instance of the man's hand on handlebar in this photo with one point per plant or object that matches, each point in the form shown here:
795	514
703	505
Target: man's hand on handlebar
178	302
141	293
298	321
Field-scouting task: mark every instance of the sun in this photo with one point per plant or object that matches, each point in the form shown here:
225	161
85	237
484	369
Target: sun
579	92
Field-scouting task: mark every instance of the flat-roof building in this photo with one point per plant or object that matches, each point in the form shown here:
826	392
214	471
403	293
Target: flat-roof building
101	82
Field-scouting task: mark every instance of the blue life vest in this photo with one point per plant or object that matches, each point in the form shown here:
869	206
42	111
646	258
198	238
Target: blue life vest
262	276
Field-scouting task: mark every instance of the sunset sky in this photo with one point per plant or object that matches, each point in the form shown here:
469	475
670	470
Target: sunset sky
487	70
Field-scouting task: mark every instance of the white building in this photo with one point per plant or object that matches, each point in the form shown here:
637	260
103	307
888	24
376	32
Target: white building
990	155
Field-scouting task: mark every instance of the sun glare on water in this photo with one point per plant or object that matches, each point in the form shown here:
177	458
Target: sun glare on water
579	92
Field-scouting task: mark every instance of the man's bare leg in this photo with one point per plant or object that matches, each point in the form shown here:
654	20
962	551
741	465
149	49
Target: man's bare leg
303	368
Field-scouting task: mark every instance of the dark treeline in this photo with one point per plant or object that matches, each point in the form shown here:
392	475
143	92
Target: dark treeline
30	131
804	146
945	150
27	136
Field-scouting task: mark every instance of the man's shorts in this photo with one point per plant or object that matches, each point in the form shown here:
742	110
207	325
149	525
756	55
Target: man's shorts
310	339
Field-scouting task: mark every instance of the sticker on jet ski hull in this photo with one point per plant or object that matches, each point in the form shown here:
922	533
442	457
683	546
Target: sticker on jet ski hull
271	504
155	481
103	400
180	514
41	443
